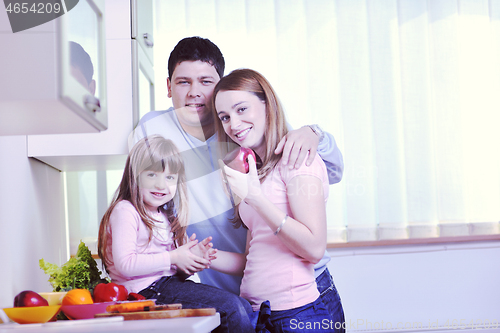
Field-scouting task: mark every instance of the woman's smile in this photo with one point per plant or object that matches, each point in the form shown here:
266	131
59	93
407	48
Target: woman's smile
243	116
241	135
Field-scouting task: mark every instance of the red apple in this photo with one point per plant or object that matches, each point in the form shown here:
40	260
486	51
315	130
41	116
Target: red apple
237	159
29	298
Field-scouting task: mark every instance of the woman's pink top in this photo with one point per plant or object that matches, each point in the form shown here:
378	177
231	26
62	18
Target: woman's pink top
134	262
272	271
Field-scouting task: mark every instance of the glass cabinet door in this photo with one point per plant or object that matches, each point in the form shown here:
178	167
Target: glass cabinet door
83	59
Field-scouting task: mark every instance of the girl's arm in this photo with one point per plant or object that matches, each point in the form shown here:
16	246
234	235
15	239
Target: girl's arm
231	262
129	236
305	234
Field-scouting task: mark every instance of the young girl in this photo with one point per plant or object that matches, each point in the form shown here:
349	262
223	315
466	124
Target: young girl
143	242
283	209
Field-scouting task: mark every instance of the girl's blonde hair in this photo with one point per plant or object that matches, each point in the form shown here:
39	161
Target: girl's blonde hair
153	153
276	128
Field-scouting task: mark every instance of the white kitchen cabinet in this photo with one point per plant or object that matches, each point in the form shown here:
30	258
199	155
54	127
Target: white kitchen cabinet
96	151
54	75
127	66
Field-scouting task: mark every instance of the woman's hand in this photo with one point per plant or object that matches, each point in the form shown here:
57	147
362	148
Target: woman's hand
244	185
186	261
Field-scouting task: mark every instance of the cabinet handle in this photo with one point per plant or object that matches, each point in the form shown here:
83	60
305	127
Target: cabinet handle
92	103
148	39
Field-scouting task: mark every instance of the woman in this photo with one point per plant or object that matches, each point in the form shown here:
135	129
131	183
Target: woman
284	210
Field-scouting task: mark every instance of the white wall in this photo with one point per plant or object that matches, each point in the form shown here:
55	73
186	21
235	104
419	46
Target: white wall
32	222
402	285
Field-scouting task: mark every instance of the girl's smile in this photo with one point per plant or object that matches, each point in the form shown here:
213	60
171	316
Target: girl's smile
158	195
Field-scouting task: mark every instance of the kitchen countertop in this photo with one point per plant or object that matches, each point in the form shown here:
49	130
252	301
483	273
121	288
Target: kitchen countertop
116	324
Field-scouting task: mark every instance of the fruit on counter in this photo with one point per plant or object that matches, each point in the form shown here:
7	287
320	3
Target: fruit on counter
79	272
77	296
29	298
109	292
237	159
135	297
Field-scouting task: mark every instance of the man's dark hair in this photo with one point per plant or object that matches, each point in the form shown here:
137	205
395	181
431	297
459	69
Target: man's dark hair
81	59
193	49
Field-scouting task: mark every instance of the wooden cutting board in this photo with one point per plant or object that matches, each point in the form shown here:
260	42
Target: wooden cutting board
162	314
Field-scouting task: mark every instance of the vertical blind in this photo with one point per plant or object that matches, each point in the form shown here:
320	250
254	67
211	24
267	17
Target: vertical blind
409	88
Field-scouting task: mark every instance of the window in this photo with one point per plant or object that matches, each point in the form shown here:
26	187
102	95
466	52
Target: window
89	194
408	88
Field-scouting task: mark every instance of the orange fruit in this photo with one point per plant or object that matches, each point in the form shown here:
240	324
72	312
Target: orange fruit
77	296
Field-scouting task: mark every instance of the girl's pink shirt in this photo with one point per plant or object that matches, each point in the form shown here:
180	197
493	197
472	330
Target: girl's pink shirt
272	271
135	263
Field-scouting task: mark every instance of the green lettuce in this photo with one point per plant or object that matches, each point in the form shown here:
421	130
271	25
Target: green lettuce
80	272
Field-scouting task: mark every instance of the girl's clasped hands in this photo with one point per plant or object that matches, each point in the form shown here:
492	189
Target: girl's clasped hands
194	256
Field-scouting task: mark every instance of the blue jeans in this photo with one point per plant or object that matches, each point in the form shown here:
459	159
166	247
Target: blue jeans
312	317
331	299
175	289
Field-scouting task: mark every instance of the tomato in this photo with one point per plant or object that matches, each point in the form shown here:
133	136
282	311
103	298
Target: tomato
109	292
135	297
77	296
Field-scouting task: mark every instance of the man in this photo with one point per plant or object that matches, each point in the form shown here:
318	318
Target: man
195	66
